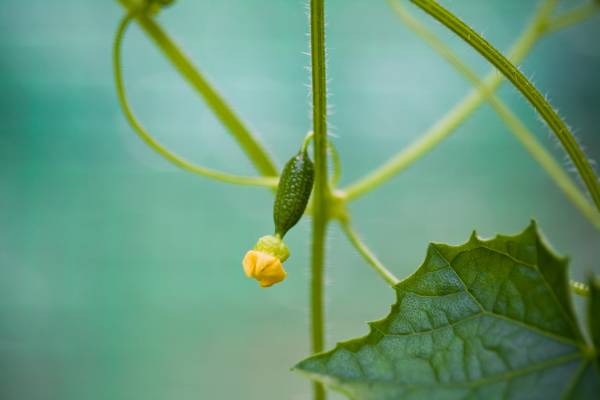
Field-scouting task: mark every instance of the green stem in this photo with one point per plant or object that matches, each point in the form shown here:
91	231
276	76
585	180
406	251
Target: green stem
519	80
321	192
307	139
456	116
253	149
153	143
317	317
518	128
573	17
335	158
366	253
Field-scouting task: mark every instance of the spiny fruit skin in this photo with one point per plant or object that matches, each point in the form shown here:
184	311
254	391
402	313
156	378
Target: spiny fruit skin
293	192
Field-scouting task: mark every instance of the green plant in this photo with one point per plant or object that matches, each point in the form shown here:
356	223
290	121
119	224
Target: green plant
453	331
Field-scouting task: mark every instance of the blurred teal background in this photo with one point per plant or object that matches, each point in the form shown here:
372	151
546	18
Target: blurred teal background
120	275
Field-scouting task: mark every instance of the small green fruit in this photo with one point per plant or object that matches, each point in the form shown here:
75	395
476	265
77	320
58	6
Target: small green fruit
293	192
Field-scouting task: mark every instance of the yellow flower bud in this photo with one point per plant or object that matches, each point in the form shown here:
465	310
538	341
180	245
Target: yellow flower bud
264	267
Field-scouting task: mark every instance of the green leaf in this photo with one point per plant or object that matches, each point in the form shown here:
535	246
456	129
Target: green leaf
485	320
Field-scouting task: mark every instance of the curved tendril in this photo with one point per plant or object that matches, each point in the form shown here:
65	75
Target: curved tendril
335	158
155	144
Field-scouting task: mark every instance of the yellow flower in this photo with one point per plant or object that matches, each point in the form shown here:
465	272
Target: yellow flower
264	262
265	268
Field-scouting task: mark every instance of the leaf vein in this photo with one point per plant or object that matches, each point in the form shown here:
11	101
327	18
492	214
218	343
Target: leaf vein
552	335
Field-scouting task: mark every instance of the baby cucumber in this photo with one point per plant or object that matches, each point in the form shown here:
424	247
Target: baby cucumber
293	192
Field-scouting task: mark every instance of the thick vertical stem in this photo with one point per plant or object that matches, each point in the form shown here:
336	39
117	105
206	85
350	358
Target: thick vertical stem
321	189
316	297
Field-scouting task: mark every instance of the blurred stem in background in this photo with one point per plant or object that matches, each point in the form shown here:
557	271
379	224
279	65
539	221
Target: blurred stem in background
538	26
517	127
247	141
573	17
531	93
321	191
456	116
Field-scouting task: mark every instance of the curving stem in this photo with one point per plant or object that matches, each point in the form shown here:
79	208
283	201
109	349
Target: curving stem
514	75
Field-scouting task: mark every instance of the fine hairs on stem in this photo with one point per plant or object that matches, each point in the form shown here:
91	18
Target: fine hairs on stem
516	126
513	74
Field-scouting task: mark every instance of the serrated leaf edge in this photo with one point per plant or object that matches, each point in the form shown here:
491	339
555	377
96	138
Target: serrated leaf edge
584	347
